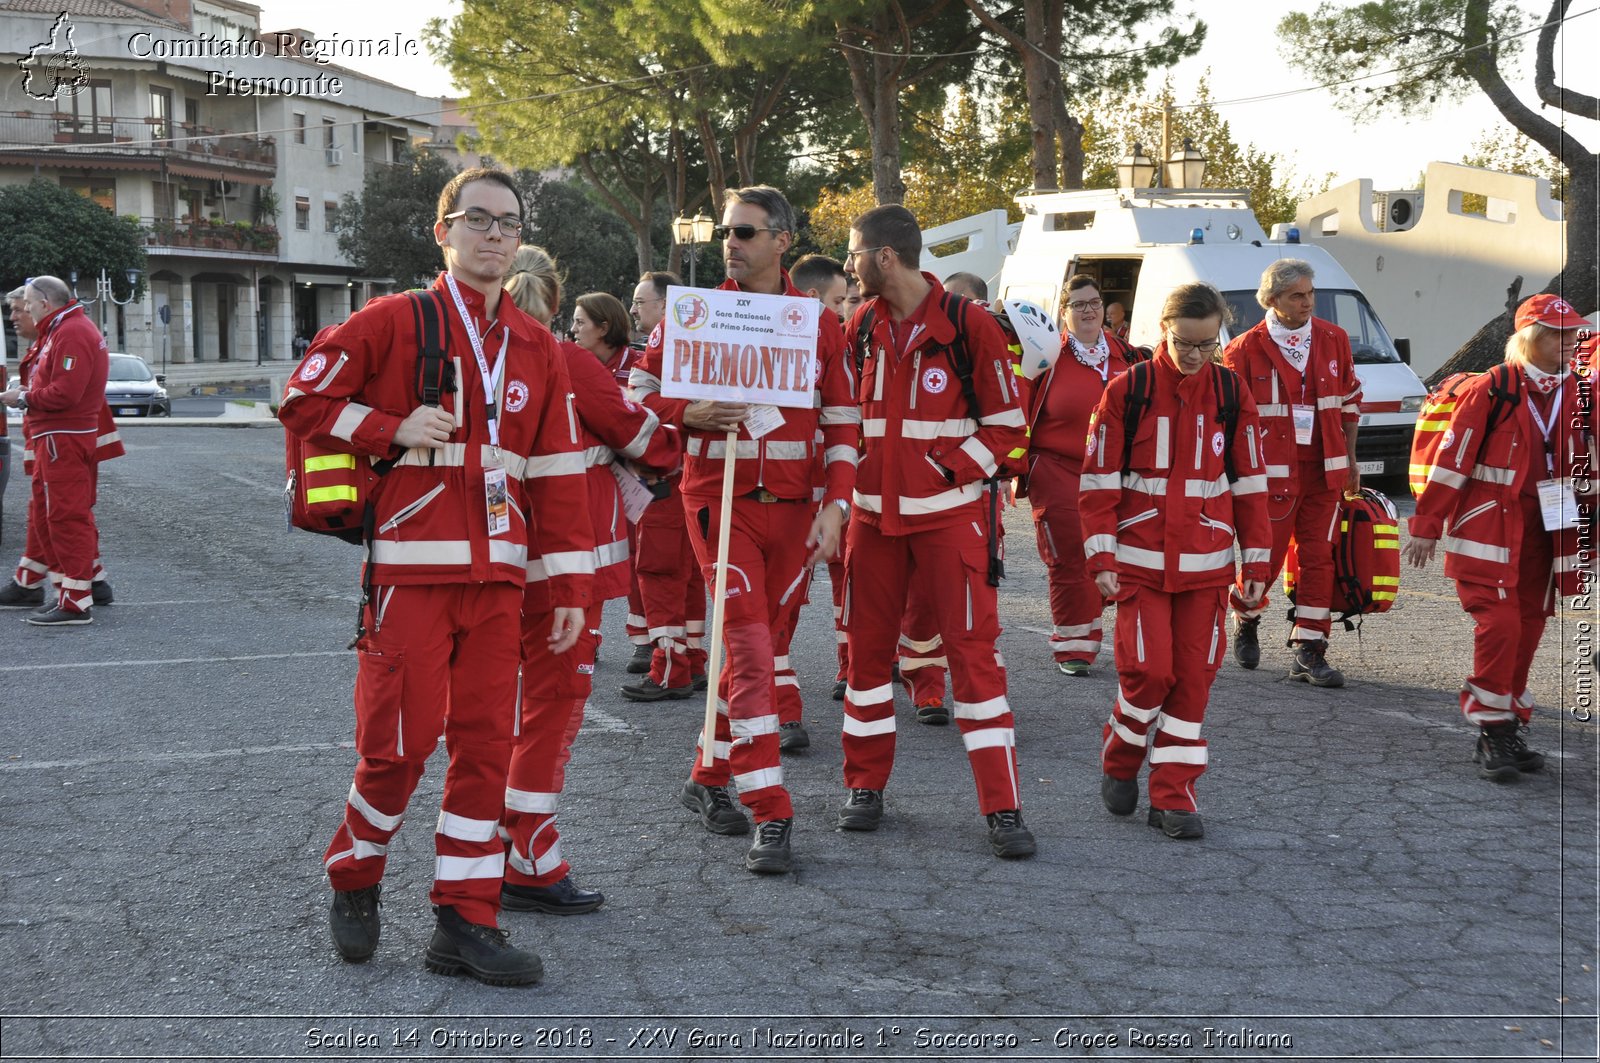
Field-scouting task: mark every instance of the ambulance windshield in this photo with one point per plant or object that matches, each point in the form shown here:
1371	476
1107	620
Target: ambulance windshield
1369	340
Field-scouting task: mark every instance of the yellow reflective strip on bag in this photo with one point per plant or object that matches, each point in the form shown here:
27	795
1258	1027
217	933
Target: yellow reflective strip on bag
1385	529
1383	596
1386	581
325	462
1019	452
338	493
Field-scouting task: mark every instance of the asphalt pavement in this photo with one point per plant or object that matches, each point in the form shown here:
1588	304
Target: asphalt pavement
169	778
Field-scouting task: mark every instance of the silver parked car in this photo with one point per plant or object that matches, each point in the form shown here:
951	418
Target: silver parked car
132	390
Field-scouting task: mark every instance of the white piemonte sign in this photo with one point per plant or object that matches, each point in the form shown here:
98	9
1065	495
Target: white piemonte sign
739	347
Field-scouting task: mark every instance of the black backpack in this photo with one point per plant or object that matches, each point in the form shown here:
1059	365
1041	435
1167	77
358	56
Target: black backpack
1141	388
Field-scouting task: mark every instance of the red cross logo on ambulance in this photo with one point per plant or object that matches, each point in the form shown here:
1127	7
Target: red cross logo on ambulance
313	367
935	380
516	396
1217	444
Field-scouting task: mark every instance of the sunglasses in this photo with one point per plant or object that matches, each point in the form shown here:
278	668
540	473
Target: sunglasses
743	232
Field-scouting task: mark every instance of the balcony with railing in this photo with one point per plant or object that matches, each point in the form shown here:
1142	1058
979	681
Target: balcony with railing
235	237
186	147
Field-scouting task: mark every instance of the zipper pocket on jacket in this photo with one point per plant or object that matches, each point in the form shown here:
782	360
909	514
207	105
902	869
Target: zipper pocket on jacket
1131	521
572	420
410	510
916	377
338	365
1199	440
1461	450
1211	654
1216	525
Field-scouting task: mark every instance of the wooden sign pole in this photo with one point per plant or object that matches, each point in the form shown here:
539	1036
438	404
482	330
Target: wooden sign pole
719	599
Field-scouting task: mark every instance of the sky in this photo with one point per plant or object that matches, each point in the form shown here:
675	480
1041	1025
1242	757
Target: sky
1242	53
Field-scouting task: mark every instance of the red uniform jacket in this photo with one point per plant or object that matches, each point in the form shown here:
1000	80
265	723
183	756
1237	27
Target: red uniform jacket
108	441
1334	389
67	379
609	427
780	461
1471	500
1170	521
915	417
1059	405
355	387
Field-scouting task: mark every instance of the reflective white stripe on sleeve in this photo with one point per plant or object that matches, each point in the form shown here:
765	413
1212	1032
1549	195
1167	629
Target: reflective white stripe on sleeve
1449	477
982	710
421	552
870	503
594	457
1012	418
842	453
610	554
1100	481
643	382
1254	556
458	868
463	828
979	454
641	442
531	801
349	419
1099	544
569	563
839	415
1335	464
1329	402
868	728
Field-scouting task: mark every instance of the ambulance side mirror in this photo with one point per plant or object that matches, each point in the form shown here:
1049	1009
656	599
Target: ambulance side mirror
1403	348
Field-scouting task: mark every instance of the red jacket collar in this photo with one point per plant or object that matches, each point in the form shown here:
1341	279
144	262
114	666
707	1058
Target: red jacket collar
509	314
731	285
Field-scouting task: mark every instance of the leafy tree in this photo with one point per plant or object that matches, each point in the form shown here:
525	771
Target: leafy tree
1106	55
387	231
592	247
1447	48
1116	122
1511	152
47	230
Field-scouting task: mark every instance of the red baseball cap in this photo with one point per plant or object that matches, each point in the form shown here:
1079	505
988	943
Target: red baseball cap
1549	310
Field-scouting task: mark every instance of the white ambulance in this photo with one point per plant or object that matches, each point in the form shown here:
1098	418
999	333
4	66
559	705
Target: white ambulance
1140	244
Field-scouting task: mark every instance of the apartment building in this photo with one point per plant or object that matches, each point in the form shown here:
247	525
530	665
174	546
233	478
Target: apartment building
231	145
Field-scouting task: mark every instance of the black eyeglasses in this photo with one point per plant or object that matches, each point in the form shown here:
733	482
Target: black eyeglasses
1182	346
1086	305
850	255
743	232
480	220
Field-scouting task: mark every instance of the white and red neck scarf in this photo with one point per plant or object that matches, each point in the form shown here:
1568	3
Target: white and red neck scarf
1093	357
1294	343
1542	382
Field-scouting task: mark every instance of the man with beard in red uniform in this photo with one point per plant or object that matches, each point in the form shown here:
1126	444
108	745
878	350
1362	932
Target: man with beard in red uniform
63	401
478	482
776	532
929	450
669	590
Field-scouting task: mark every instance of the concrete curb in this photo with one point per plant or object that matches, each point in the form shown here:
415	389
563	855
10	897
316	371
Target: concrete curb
197	422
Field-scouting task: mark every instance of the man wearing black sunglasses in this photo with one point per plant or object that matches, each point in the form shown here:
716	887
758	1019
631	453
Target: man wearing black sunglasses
776	532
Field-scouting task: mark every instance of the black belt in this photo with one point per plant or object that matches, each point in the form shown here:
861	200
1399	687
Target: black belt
761	494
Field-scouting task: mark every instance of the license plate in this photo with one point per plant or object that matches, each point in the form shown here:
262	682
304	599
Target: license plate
1370	468
133	411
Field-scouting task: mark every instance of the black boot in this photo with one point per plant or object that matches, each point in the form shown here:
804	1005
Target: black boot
354	924
1311	664
770	854
1496	752
1246	643
480	951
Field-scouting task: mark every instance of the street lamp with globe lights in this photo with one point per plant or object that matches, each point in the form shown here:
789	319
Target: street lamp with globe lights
693	232
104	293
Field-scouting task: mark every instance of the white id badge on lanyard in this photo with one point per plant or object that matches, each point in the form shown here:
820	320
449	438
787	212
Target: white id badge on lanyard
1304	419
1557	504
497	501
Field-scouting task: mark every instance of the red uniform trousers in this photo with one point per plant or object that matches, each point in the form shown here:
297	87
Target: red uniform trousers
35	566
836	581
66	475
786	685
921	649
437	658
554	690
673	593
879	569
1311	515
1075	601
767	573
638	630
1507	626
1168	650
